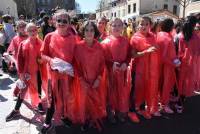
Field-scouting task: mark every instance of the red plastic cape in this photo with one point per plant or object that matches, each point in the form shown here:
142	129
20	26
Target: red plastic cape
117	50
189	73
28	54
168	55
147	71
61	47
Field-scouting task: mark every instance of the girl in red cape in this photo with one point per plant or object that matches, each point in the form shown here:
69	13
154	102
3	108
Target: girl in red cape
146	67
58	53
169	62
101	25
28	61
14	46
90	65
116	49
189	53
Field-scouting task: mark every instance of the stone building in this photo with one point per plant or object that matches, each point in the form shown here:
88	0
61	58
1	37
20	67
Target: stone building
193	7
32	7
125	9
8	7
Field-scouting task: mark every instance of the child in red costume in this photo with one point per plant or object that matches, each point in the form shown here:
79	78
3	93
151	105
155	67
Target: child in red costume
14	46
189	53
117	60
29	62
101	24
90	65
146	66
58	53
169	62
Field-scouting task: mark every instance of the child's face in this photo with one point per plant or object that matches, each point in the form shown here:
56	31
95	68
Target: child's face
32	31
144	26
89	32
101	25
116	28
21	29
62	23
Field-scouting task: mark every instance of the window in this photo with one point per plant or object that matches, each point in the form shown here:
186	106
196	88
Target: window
129	8
165	6
112	14
115	14
134	7
175	9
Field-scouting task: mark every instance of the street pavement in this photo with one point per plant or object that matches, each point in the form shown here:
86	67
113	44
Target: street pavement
30	122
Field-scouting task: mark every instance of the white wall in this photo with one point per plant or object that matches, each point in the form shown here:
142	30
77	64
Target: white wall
159	4
9	7
193	7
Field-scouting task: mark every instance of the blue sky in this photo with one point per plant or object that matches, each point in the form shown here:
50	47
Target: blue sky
88	5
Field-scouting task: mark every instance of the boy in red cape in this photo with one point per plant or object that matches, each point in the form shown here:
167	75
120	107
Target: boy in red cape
117	60
146	66
169	62
58	52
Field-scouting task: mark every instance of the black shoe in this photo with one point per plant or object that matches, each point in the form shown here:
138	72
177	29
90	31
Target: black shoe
46	128
112	119
14	114
67	123
121	118
85	127
40	108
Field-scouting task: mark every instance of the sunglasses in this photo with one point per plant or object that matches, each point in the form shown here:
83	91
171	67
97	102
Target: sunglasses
64	21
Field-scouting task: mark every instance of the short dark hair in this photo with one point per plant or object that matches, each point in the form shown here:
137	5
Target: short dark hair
6	18
96	31
167	25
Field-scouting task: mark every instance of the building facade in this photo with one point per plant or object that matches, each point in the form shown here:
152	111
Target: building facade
8	7
192	8
125	9
32	8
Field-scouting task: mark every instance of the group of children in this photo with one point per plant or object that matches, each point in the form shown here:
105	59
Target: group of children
90	75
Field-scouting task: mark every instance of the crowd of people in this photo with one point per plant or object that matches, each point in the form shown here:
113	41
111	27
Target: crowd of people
105	69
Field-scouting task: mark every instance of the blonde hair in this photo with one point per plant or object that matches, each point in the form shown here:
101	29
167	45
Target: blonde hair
30	25
116	19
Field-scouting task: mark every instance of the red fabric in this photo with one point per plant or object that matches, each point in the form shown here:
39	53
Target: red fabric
88	103
146	71
45	73
168	55
102	36
189	72
61	47
14	45
29	52
117	50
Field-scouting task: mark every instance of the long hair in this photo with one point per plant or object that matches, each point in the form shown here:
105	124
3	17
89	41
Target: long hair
188	27
82	29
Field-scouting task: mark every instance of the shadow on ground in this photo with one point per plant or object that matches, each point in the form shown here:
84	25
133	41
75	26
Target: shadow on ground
3	99
5	83
186	123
